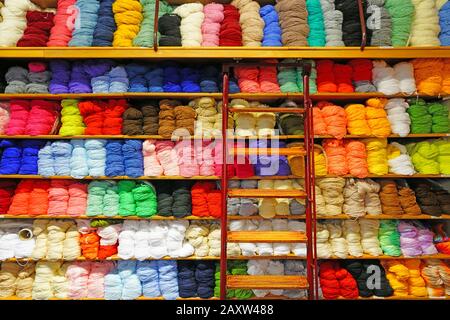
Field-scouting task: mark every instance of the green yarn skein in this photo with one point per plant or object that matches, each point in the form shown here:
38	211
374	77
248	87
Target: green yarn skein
389	238
127	205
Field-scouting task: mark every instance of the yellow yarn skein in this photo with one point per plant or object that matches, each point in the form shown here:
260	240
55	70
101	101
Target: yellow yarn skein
128	17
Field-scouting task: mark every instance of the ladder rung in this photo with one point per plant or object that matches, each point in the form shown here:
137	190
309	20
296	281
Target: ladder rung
266	236
266	282
294	151
278	110
265	193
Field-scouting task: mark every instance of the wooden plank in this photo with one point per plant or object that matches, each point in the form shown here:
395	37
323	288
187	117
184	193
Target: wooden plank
258	217
116	258
139	137
294	151
265	193
273	110
281	257
225	52
21	176
384	257
266	282
267	236
347	217
155	217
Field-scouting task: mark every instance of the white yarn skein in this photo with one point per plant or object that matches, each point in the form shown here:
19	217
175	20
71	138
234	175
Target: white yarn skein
265	249
298	249
401	164
404	73
40	232
372	200
156	233
384	78
398	117
280	249
214	240
71	243
351	232
324	250
353	199
258	267
126	246
192	17
333	24
197	235
338	243
369	237
177	246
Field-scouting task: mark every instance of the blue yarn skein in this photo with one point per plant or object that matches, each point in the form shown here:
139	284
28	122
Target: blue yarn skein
168	279
189	80
172	78
444	22
11	157
62	153
118	80
132	158
147	271
100	84
136	72
86	21
271	164
209	78
155	79
272	29
114	159
205	277
187	286
45	161
106	25
30	156
113	286
132	288
96	157
78	162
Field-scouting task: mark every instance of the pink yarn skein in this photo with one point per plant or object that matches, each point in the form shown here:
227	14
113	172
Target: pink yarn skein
187	160
77	203
96	280
64	23
78	275
167	156
37	66
4	116
205	157
211	24
268	80
19	113
152	167
58	197
42	117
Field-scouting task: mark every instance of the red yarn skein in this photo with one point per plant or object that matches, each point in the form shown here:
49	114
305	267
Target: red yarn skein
112	121
38	29
230	30
361	69
325	76
93	116
343	76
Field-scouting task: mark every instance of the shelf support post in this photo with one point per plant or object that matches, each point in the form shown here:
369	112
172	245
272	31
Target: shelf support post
155	27
362	20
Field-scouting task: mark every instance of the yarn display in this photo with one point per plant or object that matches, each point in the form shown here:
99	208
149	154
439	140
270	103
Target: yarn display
336	281
401	13
435	273
14	21
380	24
444	35
333	24
294	22
317	36
362	75
424	156
404	277
214	15
360	272
377	160
38	29
425	25
251	23
389	238
145	36
398	160
230	29
169	29
377	118
64	24
192	17
404	73
106	26
429	75
83	34
384	78
128	17
336	156
272	29
398	116
351	26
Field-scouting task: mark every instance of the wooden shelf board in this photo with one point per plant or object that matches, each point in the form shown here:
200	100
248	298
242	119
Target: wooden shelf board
280	257
258	217
395	176
217	95
272	110
294	151
388	217
265	193
115	258
383	257
224	52
266	282
155	217
20	176
266	236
